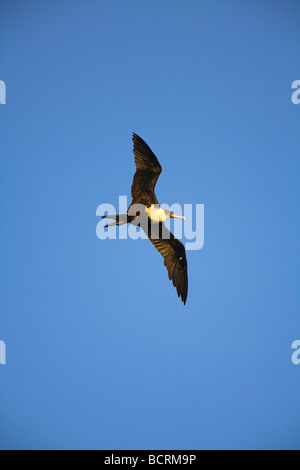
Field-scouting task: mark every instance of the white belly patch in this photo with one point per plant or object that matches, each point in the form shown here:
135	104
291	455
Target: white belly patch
156	213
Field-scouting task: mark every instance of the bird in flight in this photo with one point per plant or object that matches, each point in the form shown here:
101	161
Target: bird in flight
145	211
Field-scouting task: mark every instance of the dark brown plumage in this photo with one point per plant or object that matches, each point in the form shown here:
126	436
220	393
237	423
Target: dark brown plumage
147	172
172	250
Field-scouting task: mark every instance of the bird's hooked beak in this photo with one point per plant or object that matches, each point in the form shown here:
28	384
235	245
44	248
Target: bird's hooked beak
173	216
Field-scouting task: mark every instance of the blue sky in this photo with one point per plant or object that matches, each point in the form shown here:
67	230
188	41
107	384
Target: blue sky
94	359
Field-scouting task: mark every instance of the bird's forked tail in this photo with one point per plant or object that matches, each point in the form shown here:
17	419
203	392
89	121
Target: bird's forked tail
120	219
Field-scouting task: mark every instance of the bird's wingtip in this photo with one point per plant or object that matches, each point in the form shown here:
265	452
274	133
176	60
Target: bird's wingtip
135	136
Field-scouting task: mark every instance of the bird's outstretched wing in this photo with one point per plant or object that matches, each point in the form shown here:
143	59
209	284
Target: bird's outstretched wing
148	170
173	252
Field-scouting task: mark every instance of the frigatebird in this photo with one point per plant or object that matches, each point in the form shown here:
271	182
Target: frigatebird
146	212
